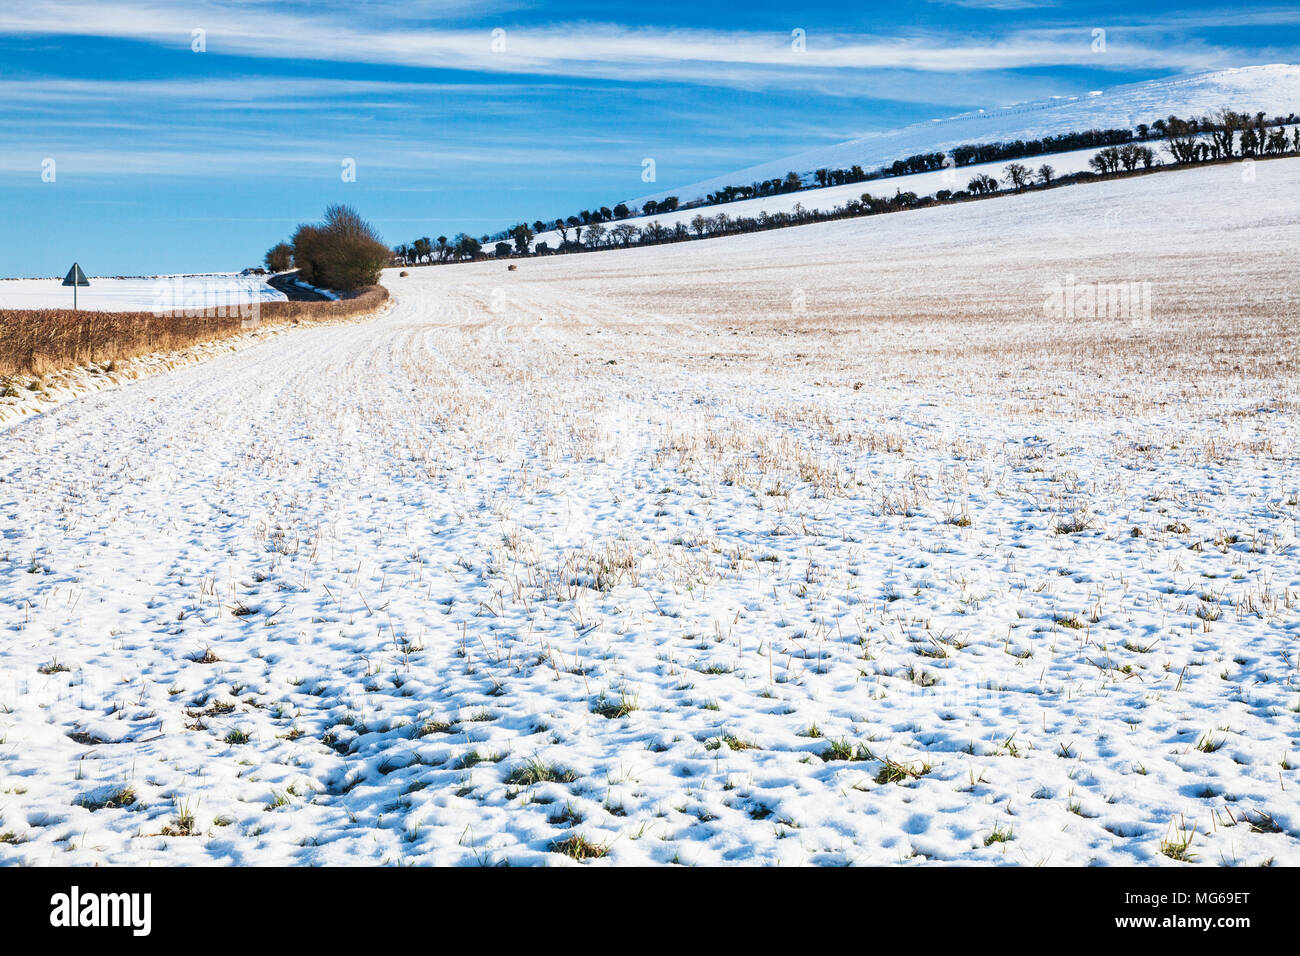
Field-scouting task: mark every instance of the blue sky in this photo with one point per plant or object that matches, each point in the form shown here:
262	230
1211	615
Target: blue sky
171	160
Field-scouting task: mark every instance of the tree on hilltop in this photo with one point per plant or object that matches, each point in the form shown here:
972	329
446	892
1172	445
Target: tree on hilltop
279	257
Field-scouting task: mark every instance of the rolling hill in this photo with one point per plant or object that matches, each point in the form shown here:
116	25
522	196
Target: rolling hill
1273	88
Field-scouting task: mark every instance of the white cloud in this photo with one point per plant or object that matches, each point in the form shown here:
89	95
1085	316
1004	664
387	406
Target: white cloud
744	59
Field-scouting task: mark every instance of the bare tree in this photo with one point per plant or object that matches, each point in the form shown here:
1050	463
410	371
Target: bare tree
1180	140
279	257
1223	128
1017	175
522	236
1128	156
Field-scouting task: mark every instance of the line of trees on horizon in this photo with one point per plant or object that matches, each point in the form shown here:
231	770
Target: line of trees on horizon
1226	134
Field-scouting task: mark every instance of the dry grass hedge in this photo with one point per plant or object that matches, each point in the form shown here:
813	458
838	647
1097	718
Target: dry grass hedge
36	341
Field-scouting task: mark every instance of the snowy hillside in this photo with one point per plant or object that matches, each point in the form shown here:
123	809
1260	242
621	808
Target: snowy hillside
828	198
1274	89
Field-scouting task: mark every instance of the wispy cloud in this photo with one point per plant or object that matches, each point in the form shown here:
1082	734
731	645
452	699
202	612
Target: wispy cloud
998	4
251	92
745	59
448	127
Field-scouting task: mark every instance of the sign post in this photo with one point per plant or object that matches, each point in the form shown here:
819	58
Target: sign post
74	278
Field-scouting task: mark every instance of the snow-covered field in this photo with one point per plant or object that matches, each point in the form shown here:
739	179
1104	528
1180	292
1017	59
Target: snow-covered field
816	546
159	293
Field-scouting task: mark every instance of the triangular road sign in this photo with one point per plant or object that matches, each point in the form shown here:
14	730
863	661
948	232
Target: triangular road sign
75	276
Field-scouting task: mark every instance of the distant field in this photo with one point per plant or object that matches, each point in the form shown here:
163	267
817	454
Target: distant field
824	545
134	295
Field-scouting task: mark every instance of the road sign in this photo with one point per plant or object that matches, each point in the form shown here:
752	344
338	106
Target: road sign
74	278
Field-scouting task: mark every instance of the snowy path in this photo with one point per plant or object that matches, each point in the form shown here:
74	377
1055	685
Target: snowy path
625	522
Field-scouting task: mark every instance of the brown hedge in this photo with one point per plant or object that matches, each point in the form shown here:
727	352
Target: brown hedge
36	341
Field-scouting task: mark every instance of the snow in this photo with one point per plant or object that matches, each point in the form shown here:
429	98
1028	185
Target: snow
829	197
141	294
1273	88
842	482
22	395
323	293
